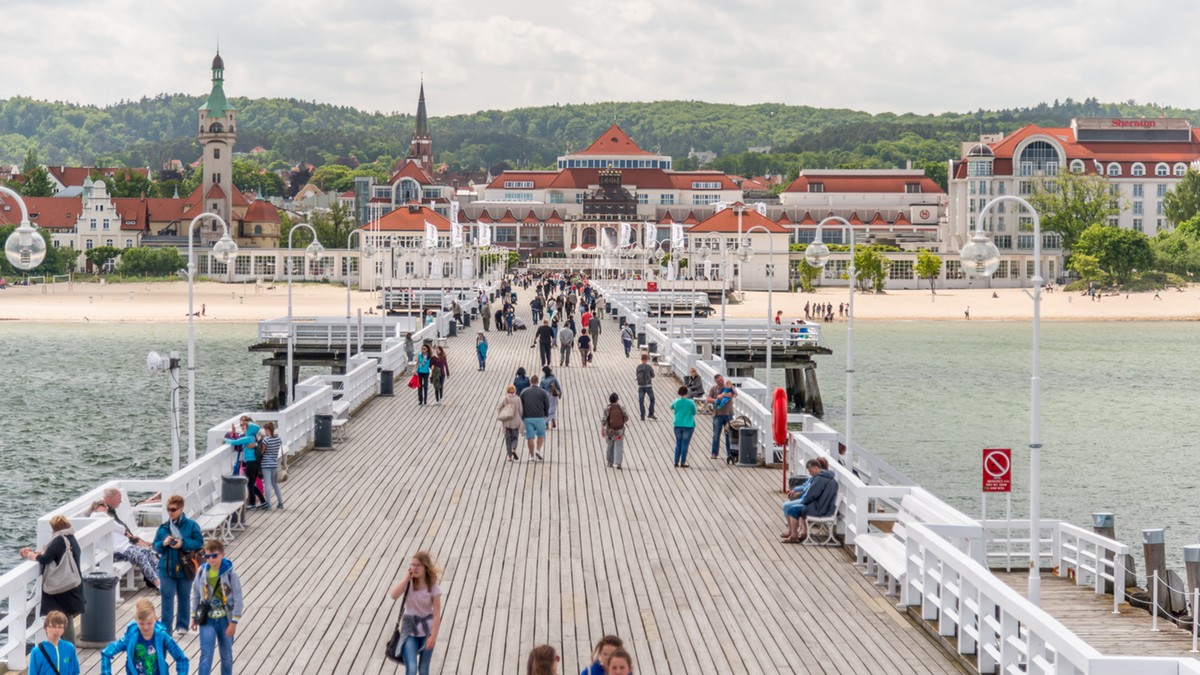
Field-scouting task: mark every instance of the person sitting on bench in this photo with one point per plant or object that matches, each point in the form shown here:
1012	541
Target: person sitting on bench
817	498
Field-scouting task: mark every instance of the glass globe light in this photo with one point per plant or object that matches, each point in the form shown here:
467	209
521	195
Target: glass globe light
368	250
980	257
25	248
314	250
817	254
746	253
225	249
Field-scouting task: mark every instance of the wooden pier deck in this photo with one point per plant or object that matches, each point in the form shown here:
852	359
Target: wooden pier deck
683	564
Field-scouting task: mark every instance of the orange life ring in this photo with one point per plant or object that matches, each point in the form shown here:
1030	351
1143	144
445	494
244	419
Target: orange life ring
779	409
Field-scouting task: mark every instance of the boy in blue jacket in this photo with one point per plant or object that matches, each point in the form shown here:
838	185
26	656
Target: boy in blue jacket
219	589
146	644
54	656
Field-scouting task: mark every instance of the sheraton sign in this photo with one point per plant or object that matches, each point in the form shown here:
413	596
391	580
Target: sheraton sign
1102	123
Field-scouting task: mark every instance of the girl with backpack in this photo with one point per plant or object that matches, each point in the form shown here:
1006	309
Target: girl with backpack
508	413
612	430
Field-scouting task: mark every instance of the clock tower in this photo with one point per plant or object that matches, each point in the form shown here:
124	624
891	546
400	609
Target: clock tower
218	133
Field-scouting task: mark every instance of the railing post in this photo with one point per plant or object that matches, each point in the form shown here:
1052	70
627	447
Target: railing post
1118	581
1195	617
1154	603
17	633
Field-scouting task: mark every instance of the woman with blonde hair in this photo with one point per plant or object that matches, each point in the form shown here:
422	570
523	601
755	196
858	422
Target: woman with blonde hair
420	612
543	660
508	413
146	644
69	601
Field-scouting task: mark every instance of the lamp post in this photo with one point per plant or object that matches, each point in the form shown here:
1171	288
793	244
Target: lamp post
747	252
312	252
366	252
817	254
26	247
980	258
224	251
705	255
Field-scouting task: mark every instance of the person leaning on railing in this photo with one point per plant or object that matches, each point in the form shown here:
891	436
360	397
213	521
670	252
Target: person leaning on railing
69	602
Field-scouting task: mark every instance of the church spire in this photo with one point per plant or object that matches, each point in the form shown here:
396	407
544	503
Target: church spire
422	119
216	105
421	147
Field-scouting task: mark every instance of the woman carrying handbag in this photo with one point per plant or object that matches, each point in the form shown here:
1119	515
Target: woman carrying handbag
416	630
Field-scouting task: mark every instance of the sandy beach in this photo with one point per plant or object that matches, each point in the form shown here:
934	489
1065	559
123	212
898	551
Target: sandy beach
167	302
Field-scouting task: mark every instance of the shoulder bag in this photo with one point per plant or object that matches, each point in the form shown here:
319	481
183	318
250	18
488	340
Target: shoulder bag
395	646
63	575
49	661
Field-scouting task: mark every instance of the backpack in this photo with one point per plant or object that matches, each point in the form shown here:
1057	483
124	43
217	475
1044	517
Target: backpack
554	390
616	417
63	575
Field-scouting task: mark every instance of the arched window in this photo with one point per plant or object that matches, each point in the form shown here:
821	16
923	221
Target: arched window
1180	168
1039	158
216	128
258	229
1161	169
1139	169
1077	166
1114	169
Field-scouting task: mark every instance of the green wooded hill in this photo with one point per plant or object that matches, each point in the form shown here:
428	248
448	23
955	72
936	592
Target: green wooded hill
153	130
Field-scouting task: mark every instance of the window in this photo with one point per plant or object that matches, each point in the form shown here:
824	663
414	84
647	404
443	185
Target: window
971	205
901	269
108	243
705	200
666	199
258	230
1029	268
1002	270
1162	190
1138	209
579	197
87	245
1159	223
1161	169
705	185
1039	158
57	243
1180	169
92	223
428	195
1000	227
1137	189
216	153
979	168
1003	241
1114	169
1025	188
104	224
128	243
518	185
1052	241
1139	169
643	198
1002	189
915	188
1076	166
1024	241
556	197
1137	225
1112	220
241	264
954	269
518	196
983	187
816	187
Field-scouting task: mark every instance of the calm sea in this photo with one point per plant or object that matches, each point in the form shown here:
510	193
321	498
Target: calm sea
78	407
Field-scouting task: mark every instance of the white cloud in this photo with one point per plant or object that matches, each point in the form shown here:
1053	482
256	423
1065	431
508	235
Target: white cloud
877	55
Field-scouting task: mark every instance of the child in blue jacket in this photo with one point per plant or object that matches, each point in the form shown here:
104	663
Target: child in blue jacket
146	642
54	656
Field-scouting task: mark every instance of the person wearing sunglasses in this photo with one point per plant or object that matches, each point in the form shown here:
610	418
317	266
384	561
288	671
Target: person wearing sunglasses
217	596
175	542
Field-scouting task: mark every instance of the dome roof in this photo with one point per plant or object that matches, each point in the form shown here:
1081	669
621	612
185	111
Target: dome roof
218	64
978	150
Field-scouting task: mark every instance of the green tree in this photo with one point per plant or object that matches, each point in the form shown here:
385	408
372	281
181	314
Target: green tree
938	172
100	255
129	183
333	226
30	162
37	183
1070	203
1178	252
1182	202
1086	266
333	177
871	268
152	262
1118	251
929	266
808	276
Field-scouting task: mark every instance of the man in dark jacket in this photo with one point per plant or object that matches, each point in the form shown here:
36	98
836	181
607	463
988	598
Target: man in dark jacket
544	339
535	406
817	498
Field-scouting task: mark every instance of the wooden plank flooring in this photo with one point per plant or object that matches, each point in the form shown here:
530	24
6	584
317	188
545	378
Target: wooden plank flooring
1090	617
683	564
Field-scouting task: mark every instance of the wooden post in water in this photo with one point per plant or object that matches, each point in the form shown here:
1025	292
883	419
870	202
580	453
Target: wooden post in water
1154	547
1104	524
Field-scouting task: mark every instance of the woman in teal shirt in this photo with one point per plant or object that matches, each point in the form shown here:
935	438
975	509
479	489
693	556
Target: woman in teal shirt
685	425
424	363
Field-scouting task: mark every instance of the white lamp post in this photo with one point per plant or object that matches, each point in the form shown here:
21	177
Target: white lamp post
26	247
312	252
747	253
223	251
980	258
817	254
366	252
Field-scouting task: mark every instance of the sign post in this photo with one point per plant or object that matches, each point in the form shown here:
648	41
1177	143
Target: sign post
997	477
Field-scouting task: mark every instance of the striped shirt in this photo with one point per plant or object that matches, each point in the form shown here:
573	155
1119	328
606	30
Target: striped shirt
271	447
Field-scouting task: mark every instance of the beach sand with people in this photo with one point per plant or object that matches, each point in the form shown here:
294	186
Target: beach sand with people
167	302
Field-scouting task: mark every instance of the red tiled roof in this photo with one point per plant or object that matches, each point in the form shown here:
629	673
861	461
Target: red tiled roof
613	141
554	218
51	213
864	183
854	219
901	220
808	219
540	179
508	217
164	210
682	180
531	218
411	218
691	218
878	219
666	219
215	192
784	219
261	211
484	217
133	213
726	220
410	169
73	176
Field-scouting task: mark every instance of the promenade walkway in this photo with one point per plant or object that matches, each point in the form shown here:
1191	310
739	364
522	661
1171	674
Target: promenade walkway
683	564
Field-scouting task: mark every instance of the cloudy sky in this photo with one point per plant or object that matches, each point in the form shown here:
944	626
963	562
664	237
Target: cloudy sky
876	55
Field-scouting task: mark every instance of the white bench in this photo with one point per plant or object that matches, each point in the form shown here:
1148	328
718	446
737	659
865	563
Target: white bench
822	531
341	415
218	520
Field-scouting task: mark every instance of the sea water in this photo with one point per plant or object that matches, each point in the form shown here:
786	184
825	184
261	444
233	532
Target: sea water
78	407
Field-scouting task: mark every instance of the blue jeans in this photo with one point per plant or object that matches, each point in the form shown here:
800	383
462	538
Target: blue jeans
643	392
683	439
172	590
213	633
719	422
482	360
628	345
412	647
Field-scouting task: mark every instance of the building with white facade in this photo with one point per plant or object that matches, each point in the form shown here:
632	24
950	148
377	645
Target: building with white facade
887	206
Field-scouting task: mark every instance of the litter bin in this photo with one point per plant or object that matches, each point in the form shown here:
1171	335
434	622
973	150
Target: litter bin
466	320
386	383
747	445
641	336
453	328
323	432
621	321
98	627
653	347
233	488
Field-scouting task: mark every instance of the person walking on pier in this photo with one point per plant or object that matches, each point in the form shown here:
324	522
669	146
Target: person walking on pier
424	365
594	329
535	406
62	543
543	338
481	350
439	373
603	649
420	612
508	413
566	342
585	349
485	312
521	381
54	655
627	338
176	541
543	660
685	425
271	444
146	644
721	397
217	596
612	430
409	348
645	382
554	388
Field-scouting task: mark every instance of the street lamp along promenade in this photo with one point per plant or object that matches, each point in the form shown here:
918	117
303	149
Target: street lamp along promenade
746	253
26	247
312	252
366	252
817	254
981	258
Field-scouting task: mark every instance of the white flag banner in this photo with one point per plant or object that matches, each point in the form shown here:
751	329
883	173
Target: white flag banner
761	207
649	234
456	229
485	235
431	236
626	235
676	236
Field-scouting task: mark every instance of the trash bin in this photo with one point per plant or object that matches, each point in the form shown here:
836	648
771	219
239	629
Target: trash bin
98	627
233	488
641	336
453	328
386	382
466	320
747	445
323	432
621	321
653	347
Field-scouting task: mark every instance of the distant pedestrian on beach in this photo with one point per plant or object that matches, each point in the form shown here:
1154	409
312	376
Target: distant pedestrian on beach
62	543
439	373
645	386
508	414
424	366
543	660
481	350
146	644
554	388
685	425
612	430
176	539
420	612
967	313
219	589
272	445
778	317
203	309
600	653
535	406
54	655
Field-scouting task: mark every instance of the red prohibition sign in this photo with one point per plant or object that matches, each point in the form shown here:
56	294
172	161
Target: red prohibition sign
997	470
